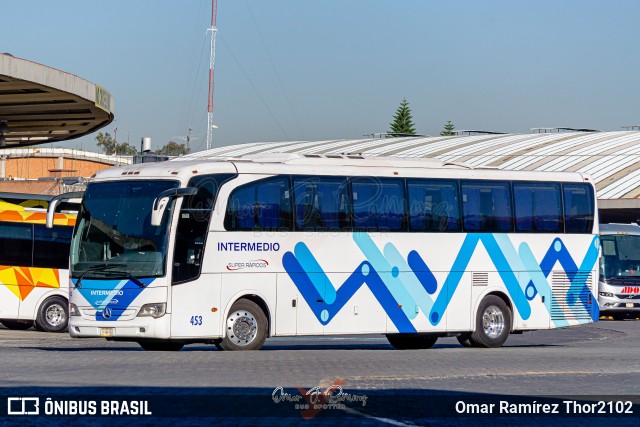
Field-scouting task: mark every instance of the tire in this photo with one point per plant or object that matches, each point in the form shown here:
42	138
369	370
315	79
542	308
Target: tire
161	345
16	325
53	315
247	327
463	339
412	341
493	323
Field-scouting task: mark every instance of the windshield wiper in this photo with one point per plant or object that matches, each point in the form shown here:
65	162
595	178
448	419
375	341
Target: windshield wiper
97	267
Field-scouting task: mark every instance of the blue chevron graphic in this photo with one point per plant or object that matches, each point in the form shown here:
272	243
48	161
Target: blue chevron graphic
117	294
401	286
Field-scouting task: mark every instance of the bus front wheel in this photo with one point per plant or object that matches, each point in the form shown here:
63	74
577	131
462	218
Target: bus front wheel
246	327
493	323
53	315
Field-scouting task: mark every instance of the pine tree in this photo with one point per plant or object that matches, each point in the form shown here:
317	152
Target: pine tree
449	129
402	120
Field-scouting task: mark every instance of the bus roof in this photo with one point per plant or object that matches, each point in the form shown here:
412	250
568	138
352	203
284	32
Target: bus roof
632	229
270	164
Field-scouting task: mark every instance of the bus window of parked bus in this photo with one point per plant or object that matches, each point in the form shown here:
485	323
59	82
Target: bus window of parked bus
16	248
378	204
578	208
321	203
486	206
538	207
433	205
260	205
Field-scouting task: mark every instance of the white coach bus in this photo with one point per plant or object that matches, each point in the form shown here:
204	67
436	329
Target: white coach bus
232	251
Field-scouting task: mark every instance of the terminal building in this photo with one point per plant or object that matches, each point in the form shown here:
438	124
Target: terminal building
612	159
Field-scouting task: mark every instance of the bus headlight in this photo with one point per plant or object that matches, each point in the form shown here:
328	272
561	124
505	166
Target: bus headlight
73	310
606	294
154	310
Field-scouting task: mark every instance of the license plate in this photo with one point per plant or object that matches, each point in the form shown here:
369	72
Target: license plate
106	332
629	305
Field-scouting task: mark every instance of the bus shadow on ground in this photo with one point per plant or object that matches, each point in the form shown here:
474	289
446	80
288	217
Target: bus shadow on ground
285	405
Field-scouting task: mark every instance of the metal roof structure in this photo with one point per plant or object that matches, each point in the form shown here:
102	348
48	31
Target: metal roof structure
611	158
39	104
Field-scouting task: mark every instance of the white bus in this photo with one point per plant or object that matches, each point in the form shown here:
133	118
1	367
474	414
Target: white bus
34	264
232	251
619	287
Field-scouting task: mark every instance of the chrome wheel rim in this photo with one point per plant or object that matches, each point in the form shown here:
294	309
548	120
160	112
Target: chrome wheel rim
55	315
242	327
493	322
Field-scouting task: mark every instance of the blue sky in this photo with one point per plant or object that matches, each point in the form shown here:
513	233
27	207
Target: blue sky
311	70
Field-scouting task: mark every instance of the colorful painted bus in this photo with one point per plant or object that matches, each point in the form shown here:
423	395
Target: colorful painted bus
233	251
34	265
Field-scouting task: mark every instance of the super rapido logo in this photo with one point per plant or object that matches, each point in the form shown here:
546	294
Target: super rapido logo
256	263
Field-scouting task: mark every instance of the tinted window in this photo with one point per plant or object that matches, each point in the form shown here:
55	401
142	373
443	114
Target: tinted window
433	205
486	206
260	205
16	248
193	226
538	207
51	246
321	203
578	208
378	204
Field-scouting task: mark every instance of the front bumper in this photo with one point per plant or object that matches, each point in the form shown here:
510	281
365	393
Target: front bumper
137	328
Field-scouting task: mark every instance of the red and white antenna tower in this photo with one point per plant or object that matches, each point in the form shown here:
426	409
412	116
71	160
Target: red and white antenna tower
212	63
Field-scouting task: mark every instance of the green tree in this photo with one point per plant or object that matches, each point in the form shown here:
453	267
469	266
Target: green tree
106	143
402	120
172	148
448	129
125	149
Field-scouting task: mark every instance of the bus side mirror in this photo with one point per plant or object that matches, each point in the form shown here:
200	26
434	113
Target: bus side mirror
162	201
75	197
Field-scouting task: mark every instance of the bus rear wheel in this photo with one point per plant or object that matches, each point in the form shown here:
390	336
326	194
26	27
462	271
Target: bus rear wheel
16	325
246	327
493	323
412	341
53	315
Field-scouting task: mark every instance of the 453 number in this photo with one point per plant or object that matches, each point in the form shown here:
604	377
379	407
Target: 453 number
196	320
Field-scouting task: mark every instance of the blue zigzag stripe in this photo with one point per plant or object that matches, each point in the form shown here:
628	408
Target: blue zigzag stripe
401	287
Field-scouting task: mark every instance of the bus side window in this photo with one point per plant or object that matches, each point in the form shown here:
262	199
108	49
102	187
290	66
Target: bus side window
538	207
486	206
193	226
578	208
260	205
321	203
378	204
17	244
433	205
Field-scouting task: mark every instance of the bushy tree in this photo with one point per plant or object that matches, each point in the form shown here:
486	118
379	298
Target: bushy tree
172	148
106	143
448	129
111	147
125	149
402	120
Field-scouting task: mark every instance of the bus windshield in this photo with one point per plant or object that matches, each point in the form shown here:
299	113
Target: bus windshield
114	237
620	257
